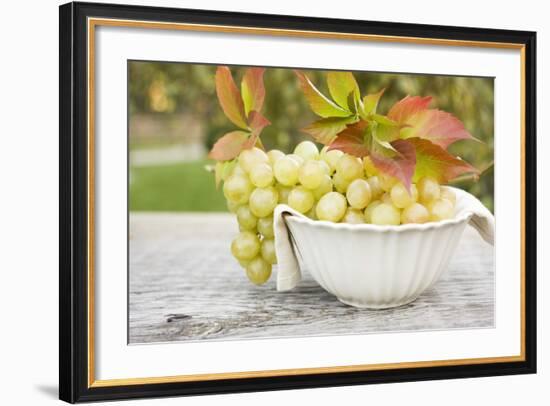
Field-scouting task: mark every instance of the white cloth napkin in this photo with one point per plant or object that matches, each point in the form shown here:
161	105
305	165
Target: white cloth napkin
288	268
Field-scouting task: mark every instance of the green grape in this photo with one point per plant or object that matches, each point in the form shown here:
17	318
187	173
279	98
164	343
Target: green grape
441	209
401	197
238	170
268	251
415	213
331	157
232	206
299	160
324	188
307	150
263	201
265	226
331	207
447	193
326	167
243	262
261	175
274	155
301	199
247	220
353	216
368	165
386	214
258	271
237	189
312	213
375	186
368	211
245	246
340	184
386	198
311	174
387	182
349	167
428	190
284	191
359	194
251	157
286	171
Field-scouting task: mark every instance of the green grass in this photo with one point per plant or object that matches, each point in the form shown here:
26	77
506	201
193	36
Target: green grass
179	187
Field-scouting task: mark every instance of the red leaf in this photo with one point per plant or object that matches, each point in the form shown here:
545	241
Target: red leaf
257	124
400	166
352	140
253	90
229	146
438	126
230	97
432	160
325	129
407	107
320	104
257	121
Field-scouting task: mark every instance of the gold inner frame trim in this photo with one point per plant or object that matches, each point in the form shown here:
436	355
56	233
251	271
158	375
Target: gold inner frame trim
94	22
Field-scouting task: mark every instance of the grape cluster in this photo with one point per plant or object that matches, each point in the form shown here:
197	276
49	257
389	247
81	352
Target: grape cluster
323	185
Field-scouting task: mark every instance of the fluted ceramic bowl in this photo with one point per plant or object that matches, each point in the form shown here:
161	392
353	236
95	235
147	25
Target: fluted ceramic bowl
372	266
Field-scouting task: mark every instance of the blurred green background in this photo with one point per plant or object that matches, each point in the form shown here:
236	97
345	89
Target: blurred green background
175	119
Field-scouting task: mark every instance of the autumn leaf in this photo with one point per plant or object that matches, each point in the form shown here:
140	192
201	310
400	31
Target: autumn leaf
325	129
352	140
230	97
401	165
434	161
320	104
438	126
253	90
407	107
228	146
257	123
341	85
358	139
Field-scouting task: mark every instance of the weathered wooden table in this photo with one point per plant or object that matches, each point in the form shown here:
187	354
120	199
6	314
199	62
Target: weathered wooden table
184	285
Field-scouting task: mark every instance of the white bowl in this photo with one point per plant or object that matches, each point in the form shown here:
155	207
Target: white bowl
373	266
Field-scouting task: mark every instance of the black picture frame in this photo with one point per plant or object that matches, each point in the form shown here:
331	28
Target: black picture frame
74	385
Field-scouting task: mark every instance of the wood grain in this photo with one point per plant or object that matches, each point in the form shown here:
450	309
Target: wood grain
184	285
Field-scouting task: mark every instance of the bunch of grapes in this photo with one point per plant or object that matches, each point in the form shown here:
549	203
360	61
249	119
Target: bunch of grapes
324	185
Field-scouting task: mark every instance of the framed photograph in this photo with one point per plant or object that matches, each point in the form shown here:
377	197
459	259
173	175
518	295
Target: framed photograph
258	202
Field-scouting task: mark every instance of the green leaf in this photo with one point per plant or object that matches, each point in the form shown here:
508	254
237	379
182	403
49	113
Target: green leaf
223	169
325	129
370	103
342	86
229	146
432	160
230	97
383	120
387	132
320	104
253	90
